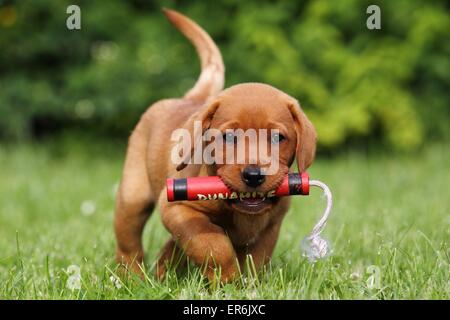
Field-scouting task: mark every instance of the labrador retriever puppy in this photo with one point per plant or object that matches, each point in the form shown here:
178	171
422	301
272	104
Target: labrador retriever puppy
217	235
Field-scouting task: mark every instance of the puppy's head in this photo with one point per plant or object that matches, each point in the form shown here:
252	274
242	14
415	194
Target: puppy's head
259	131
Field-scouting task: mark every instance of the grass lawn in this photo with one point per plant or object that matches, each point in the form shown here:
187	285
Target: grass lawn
390	231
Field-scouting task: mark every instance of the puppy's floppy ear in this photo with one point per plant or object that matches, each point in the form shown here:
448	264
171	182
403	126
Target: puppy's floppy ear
204	117
306	136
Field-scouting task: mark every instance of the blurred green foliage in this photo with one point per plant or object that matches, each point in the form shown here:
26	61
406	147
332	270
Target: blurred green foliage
389	85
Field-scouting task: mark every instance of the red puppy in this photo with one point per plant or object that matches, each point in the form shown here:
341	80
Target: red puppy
216	234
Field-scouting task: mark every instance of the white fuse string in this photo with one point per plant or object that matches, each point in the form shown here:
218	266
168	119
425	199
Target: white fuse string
313	245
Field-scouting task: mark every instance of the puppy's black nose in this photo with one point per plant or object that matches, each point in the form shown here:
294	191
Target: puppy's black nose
252	176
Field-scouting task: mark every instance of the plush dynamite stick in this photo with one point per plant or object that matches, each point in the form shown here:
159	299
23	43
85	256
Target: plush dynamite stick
213	188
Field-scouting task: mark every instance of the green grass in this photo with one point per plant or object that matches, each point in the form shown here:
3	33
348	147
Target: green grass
390	212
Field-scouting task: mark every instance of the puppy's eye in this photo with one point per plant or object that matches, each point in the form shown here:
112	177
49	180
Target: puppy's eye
229	137
276	138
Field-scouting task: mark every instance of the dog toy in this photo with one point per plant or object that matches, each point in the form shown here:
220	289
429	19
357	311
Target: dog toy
213	188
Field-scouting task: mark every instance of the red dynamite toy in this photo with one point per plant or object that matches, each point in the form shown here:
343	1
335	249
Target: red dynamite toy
213	188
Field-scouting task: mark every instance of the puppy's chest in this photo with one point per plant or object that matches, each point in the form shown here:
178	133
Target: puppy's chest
245	229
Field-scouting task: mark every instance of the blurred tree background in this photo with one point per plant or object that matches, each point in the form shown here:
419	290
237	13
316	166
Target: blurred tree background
359	86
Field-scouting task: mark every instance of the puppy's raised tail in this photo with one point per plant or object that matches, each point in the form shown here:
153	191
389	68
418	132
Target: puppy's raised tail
211	80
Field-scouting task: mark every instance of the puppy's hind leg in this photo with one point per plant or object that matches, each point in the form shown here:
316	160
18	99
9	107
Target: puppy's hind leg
134	202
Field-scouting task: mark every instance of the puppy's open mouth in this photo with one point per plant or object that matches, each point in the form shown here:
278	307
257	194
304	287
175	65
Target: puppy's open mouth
251	202
251	205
